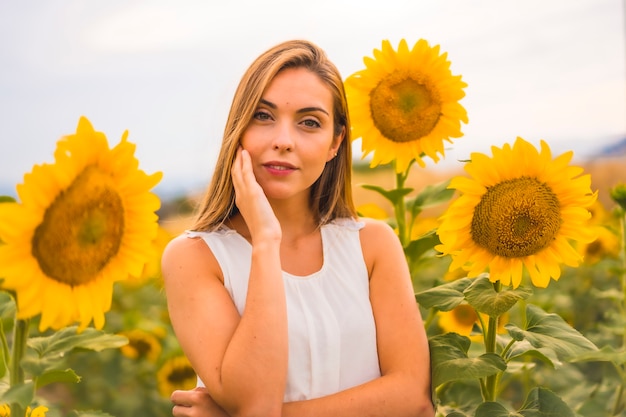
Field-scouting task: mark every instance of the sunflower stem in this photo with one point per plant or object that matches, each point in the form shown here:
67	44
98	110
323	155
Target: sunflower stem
20	336
491	383
400	208
623	271
619	399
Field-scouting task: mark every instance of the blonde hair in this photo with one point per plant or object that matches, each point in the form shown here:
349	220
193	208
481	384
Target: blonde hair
331	194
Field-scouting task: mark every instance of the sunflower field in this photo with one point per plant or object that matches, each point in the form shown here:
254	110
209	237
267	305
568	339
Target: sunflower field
518	261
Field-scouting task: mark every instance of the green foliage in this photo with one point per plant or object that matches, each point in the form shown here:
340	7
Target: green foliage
450	354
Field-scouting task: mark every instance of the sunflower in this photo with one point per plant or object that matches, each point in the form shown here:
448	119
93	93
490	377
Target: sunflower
405	104
82	223
141	344
520	208
40	411
176	373
462	319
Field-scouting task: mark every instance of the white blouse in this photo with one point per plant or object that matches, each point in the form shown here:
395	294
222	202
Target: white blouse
332	334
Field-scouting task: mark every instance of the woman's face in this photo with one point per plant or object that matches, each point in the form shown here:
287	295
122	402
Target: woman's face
290	137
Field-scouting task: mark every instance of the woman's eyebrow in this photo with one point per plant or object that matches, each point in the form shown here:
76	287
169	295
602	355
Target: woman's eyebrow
303	110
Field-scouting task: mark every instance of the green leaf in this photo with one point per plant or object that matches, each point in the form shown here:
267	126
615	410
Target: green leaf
7	306
394	195
550	331
66	376
483	297
69	338
492	409
418	247
606	354
431	195
542	402
444	297
451	363
91	413
21	394
51	350
524	349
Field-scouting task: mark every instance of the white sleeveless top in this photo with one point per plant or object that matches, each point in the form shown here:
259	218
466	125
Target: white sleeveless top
332	335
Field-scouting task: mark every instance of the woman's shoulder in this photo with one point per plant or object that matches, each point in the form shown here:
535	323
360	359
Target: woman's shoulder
376	229
187	250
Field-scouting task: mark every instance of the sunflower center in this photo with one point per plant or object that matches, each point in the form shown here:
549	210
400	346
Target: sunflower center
404	109
465	315
516	218
180	375
81	230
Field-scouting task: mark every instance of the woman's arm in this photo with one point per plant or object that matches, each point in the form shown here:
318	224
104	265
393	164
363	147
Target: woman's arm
241	360
404	388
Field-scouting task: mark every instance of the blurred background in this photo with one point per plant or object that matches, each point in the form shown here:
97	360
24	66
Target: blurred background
166	71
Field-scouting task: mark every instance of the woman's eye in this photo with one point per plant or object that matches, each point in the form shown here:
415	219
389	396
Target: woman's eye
311	123
262	115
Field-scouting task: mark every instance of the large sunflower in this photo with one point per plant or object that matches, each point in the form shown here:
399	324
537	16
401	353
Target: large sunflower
82	223
405	104
520	208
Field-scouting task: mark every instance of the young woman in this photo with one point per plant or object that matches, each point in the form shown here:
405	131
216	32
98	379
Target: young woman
283	300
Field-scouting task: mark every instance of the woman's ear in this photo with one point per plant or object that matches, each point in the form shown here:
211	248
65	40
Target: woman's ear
332	152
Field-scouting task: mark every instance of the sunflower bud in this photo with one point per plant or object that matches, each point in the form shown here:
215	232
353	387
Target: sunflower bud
618	194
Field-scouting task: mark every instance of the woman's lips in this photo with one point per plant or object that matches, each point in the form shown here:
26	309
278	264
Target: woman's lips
279	168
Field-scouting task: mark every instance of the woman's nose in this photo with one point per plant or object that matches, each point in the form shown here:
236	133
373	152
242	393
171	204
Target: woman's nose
284	137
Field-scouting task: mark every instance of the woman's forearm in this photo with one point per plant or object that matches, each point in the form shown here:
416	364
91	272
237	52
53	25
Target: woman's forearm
254	367
391	395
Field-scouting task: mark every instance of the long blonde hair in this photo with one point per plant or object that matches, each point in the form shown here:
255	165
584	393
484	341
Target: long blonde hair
331	194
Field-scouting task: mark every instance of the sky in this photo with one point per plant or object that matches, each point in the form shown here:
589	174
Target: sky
166	71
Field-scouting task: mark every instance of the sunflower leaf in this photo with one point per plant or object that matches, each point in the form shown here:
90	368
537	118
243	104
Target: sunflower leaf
444	297
21	394
606	354
67	375
91	413
483	297
540	402
49	351
550	331
394	195
418	247
451	363
431	195
523	349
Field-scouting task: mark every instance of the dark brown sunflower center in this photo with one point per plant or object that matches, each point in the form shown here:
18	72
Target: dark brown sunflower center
179	375
516	218
81	230
465	315
405	109
141	346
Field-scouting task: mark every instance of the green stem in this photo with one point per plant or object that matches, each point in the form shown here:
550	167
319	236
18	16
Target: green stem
491	384
20	336
400	210
618	405
623	257
432	314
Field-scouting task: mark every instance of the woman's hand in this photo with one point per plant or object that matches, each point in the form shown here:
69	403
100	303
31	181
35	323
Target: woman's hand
252	202
195	403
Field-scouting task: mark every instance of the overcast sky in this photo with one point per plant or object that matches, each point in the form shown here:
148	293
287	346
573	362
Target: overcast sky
167	70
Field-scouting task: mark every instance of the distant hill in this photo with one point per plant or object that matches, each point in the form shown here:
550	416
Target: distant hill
615	149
